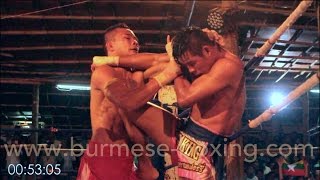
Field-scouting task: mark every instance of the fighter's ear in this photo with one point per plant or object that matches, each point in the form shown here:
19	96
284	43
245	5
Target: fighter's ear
109	46
206	50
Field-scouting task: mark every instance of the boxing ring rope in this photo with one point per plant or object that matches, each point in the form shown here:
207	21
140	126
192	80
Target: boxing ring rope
43	10
303	6
42	147
267	114
258	151
307	85
54	130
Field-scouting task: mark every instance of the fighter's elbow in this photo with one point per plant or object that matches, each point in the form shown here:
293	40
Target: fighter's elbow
122	103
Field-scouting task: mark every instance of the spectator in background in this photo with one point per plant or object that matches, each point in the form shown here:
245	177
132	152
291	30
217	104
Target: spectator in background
2	155
67	158
12	157
251	174
260	174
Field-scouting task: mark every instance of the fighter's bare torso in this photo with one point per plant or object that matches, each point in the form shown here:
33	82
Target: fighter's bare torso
107	125
220	112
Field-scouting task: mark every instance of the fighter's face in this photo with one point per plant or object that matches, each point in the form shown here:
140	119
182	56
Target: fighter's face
196	65
125	42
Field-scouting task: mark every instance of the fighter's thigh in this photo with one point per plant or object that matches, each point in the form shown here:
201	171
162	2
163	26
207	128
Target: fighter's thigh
159	125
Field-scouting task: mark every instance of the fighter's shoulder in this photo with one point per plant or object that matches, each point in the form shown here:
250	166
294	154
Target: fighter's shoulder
227	63
103	69
106	70
227	69
102	74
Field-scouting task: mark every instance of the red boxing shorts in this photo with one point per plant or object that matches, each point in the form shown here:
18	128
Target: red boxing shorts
106	162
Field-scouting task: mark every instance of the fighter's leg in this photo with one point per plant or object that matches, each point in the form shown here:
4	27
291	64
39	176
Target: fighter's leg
145	170
159	125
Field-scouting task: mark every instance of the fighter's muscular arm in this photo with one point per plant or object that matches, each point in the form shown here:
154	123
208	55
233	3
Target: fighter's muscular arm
101	77
125	93
141	61
128	95
208	84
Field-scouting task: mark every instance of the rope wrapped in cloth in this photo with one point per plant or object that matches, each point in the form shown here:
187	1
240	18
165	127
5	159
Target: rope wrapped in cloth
267	114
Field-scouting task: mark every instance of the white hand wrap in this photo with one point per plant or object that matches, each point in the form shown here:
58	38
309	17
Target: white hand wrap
109	60
169	50
168	74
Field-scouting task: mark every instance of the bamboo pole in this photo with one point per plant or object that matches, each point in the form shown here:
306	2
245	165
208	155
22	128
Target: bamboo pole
293	95
267	114
303	6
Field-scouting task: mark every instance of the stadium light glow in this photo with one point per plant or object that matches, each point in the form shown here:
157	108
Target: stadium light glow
68	87
276	98
315	90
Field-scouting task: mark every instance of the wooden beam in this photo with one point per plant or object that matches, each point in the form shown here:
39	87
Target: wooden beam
45	106
6	80
51	94
283	41
145	2
52	62
261	24
67	32
72	61
47	73
31	48
87	107
68	93
146	46
306	117
40	81
273	10
289	57
251	8
99	18
94	32
262	68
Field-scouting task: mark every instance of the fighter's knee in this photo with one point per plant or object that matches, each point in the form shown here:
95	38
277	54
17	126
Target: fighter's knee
145	170
151	174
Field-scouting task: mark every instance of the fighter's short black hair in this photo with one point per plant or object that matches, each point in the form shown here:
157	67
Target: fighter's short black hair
190	39
110	29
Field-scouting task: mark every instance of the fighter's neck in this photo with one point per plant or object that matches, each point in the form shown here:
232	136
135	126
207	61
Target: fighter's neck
219	53
112	54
